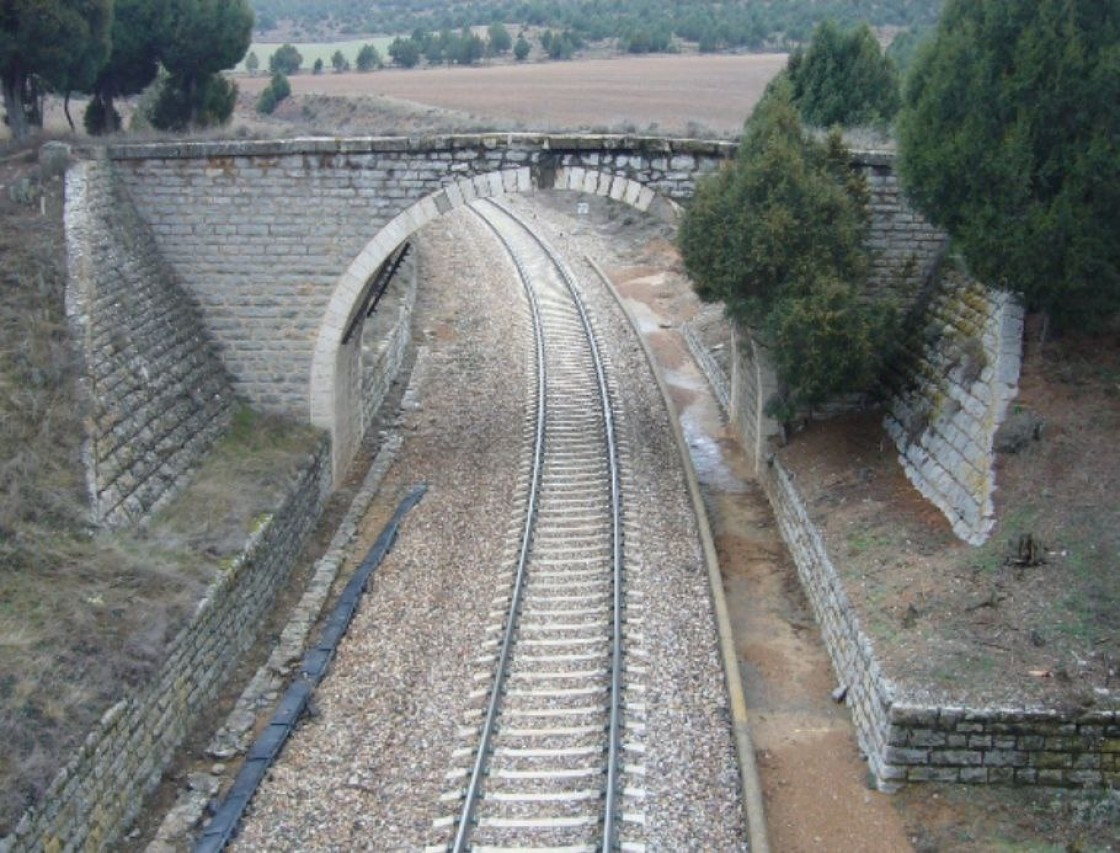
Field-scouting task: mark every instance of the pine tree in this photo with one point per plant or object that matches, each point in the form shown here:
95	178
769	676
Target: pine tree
844	79
778	237
206	37
60	43
1008	139
139	30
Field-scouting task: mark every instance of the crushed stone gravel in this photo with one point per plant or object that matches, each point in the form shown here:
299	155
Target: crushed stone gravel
367	769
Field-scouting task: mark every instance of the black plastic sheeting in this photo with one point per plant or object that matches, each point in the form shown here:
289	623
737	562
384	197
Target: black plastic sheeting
293	704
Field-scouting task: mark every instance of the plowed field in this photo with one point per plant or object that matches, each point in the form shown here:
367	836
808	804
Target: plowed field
664	94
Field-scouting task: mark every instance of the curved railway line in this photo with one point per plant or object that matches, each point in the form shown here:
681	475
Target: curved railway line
557	703
535	667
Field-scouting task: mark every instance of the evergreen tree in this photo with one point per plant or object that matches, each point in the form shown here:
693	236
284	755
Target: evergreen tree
1008	139
778	237
844	79
469	48
276	91
368	58
139	30
339	62
206	36
404	52
59	43
252	63
521	49
285	60
904	47
499	40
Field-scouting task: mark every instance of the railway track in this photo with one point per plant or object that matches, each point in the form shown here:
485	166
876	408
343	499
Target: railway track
551	746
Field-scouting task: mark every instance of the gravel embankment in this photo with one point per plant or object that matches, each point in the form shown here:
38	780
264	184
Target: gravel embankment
367	771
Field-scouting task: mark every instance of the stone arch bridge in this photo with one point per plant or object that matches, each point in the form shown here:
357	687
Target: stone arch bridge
277	240
274	245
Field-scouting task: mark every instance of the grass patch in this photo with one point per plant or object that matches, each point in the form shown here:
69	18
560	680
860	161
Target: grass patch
86	616
312	50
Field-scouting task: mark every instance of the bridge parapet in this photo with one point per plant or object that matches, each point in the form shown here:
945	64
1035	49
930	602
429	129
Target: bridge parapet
275	239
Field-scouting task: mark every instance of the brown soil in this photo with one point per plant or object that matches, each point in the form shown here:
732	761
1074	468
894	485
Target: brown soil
693	95
897	551
977	625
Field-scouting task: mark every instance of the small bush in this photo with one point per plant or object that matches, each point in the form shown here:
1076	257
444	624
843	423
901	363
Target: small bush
778	237
275	92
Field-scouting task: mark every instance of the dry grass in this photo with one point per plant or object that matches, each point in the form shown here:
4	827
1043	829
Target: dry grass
84	617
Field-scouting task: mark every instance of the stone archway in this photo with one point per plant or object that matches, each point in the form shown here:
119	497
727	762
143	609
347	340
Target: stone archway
332	404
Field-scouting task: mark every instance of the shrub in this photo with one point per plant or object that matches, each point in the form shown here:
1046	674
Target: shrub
275	92
778	236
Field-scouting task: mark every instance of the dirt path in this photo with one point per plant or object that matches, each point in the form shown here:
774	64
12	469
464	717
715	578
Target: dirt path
814	781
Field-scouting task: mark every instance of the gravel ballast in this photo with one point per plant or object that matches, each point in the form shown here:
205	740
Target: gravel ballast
367	769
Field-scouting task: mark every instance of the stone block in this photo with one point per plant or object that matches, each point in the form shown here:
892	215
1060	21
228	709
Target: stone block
1049	760
933	774
899	755
1006	758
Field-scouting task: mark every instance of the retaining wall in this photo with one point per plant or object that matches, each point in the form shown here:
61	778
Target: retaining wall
158	394
951	396
905	248
753	384
96	797
385	339
906	739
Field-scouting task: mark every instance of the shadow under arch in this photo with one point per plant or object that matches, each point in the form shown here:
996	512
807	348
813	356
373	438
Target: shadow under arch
332	407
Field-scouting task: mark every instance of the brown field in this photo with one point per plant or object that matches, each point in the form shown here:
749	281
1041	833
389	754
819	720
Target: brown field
666	94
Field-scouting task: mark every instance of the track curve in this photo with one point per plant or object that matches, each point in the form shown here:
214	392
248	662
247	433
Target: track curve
543	749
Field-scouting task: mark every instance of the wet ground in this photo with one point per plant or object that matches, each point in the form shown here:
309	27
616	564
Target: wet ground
815	782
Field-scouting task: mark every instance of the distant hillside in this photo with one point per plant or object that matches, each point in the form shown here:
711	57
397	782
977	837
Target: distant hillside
713	24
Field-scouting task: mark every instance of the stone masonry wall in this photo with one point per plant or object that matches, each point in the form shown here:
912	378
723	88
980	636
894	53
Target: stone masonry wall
158	394
907	740
261	231
92	801
383	349
753	383
951	397
905	248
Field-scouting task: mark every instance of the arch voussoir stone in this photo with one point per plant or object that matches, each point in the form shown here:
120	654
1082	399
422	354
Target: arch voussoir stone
276	239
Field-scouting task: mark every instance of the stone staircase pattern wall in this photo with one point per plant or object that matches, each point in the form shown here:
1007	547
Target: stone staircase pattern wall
953	397
905	248
907	739
96	797
159	395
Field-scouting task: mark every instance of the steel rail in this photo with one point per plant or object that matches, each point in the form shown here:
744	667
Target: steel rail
474	786
611	815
